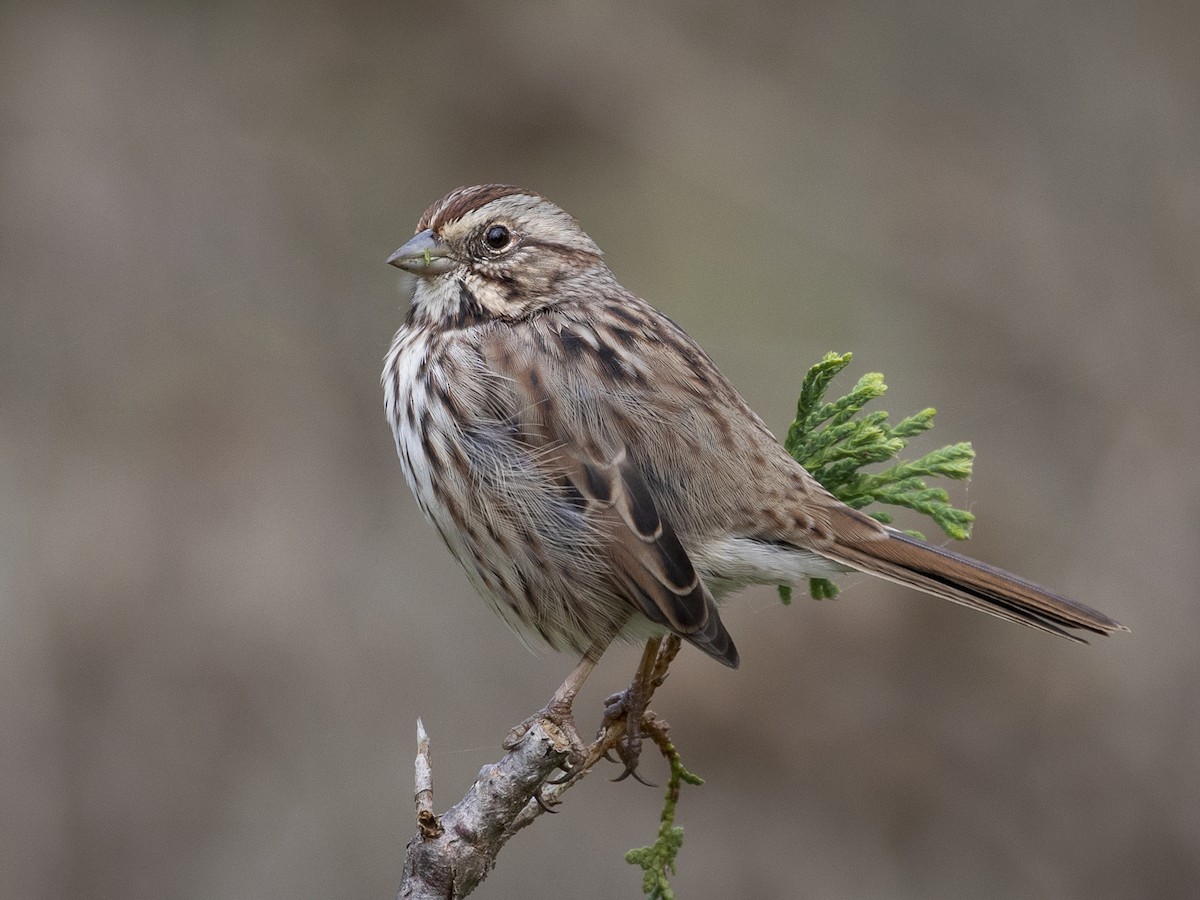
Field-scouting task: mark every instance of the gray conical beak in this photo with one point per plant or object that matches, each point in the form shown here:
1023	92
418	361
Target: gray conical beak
424	255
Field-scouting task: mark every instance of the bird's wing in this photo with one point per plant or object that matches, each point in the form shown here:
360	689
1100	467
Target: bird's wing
591	467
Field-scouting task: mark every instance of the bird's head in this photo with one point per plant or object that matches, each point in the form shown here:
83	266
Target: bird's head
494	252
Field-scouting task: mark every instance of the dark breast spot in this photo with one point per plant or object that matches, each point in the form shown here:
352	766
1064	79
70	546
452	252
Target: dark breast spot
470	311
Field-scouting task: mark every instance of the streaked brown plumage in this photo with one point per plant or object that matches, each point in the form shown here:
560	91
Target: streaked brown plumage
590	467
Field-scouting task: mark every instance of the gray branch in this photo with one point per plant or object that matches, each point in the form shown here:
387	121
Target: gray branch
450	855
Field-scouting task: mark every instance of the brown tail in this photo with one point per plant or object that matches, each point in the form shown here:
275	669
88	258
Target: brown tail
939	572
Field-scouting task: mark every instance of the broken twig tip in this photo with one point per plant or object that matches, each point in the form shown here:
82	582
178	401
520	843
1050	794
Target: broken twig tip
426	820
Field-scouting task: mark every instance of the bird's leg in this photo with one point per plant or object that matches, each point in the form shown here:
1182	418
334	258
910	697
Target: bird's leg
619	712
630	704
558	711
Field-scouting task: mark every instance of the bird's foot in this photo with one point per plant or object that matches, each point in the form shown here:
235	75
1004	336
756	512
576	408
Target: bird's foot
622	728
556	717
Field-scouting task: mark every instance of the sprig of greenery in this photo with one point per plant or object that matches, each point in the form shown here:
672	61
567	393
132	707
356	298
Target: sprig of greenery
658	860
834	444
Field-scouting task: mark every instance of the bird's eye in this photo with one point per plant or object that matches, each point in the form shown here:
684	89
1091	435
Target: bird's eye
498	237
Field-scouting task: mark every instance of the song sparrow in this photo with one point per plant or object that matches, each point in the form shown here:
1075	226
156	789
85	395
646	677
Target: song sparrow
590	467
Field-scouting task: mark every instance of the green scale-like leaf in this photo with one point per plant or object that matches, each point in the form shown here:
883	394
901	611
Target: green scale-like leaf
835	443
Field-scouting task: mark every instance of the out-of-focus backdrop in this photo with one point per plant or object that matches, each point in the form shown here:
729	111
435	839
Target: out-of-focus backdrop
222	613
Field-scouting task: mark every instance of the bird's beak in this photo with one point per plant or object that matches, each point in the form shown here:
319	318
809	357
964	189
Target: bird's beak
425	254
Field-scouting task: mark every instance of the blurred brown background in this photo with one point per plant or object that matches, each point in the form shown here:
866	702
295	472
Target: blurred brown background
222	613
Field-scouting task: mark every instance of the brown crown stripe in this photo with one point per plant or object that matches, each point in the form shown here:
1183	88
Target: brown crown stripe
458	203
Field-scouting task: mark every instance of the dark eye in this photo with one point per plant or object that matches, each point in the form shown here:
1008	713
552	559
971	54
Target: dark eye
498	237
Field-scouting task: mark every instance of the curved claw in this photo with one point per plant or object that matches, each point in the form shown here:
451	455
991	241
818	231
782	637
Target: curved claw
569	772
636	777
537	797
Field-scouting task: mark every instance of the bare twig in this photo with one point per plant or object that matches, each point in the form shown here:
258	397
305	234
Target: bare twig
429	824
